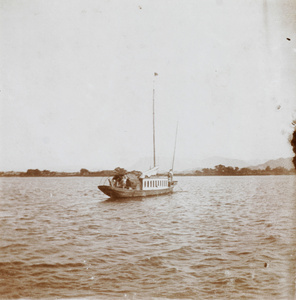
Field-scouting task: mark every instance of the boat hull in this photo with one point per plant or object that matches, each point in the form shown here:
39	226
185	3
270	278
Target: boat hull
114	192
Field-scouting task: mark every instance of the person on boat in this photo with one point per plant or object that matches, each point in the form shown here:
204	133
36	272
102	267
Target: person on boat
170	176
128	184
115	181
123	182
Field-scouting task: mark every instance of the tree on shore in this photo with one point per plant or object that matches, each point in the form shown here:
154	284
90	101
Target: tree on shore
221	170
84	172
33	172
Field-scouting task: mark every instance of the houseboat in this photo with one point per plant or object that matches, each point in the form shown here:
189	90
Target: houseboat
127	185
148	184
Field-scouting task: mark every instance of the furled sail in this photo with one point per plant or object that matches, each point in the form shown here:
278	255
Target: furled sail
150	172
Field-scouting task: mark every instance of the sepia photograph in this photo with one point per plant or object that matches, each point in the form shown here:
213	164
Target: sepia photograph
148	149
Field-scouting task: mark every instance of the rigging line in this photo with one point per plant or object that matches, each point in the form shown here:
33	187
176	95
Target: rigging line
154	159
175	146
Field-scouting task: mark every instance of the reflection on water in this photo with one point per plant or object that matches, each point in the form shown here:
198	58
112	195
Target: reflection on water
215	238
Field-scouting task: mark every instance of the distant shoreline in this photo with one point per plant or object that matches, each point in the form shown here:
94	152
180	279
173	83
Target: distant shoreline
180	175
219	170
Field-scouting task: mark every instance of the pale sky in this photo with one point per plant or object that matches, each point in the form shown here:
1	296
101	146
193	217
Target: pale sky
76	81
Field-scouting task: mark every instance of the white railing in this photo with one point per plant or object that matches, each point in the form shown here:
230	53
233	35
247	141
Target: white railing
154	184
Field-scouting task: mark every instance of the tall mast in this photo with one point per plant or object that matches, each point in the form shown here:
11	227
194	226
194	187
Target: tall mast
175	147
154	158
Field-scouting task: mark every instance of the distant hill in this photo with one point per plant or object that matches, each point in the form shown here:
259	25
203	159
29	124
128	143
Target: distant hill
211	162
191	164
275	163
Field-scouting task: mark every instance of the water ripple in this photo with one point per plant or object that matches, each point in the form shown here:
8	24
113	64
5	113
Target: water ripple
219	238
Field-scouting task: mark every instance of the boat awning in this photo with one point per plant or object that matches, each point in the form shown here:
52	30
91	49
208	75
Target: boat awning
150	172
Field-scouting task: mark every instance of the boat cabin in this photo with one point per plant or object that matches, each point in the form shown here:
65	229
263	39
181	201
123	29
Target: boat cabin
154	183
146	182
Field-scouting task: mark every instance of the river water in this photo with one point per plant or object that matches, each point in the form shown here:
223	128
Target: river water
214	238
